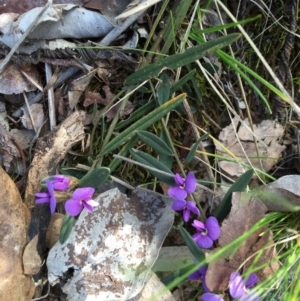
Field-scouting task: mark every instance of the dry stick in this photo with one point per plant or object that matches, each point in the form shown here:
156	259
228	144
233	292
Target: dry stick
23	37
51	105
29	112
113	34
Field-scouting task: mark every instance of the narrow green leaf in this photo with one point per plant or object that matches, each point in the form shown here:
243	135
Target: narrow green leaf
137	114
155	142
178	60
150	161
193	247
182	81
167	160
240	185
95	177
163	89
224	26
143	123
66	228
193	149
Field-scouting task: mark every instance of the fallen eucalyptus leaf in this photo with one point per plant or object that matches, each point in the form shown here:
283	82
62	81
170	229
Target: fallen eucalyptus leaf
112	250
31	259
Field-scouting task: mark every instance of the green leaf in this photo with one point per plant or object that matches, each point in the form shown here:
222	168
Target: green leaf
155	142
163	89
240	185
178	60
193	247
137	114
167	160
182	81
95	177
193	149
66	228
143	123
150	161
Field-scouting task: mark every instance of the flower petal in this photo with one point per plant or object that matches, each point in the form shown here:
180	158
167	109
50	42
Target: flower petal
177	193
42	200
252	279
42	195
52	204
190	183
195	276
211	297
198	225
179	180
84	193
213	228
203	241
73	207
178	205
88	205
192	207
186	214
50	187
236	285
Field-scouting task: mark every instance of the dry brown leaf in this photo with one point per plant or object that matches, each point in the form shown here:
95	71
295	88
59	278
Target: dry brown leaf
245	212
281	195
267	131
37	113
8	148
31	259
12	81
15	217
78	86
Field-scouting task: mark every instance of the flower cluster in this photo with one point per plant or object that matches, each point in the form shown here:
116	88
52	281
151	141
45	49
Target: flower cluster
180	192
206	232
238	289
81	197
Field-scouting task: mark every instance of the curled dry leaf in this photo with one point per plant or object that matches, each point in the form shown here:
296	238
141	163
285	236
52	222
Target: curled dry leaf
239	141
112	250
14	216
31	259
245	212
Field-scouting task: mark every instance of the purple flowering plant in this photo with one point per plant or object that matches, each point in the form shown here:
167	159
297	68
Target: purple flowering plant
179	193
81	198
47	197
239	289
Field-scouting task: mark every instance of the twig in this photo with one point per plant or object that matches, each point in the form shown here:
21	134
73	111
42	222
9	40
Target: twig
23	37
51	105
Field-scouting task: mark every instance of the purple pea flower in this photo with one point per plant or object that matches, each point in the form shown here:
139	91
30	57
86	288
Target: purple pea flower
47	197
207	232
200	275
238	288
60	182
187	207
211	297
183	186
81	198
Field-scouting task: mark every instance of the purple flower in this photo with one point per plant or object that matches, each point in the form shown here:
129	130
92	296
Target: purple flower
60	182
81	198
187	207
238	288
207	232
183	186
200	275
211	297
47	197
